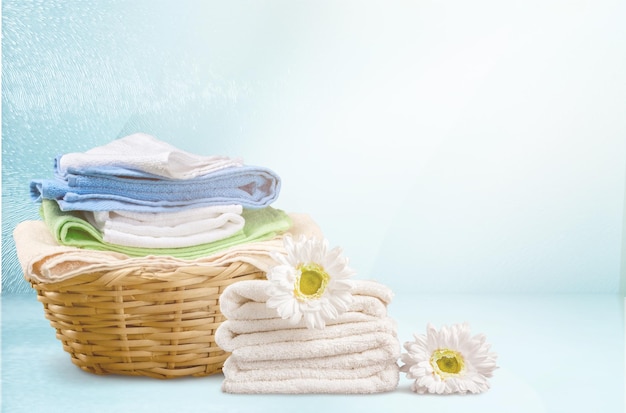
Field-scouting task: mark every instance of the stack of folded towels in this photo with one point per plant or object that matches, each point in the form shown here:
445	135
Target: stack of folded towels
355	353
139	196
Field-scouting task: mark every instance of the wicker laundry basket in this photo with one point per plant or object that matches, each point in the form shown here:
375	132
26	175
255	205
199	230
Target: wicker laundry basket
143	321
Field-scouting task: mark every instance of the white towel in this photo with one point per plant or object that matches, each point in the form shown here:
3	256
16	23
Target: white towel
229	339
145	153
44	260
193	226
246	300
383	381
291	350
285	372
375	356
357	315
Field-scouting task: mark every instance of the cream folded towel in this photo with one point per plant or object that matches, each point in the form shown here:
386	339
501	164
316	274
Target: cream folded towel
246	300
287	372
382	381
145	153
371	379
295	350
168	229
357	314
229	339
365	358
44	260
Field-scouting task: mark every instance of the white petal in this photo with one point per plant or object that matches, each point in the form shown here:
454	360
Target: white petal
425	381
295	318
418	371
421	340
418	389
329	311
432	338
340	285
444	337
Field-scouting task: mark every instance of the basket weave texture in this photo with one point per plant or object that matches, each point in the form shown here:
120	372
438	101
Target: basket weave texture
143	321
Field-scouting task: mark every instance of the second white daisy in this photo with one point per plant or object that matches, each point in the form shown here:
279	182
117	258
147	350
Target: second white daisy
310	282
449	361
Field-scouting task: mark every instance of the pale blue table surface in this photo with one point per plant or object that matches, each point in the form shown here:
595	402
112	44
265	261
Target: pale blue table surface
557	353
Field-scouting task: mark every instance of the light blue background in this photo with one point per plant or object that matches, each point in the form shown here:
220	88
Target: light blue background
448	146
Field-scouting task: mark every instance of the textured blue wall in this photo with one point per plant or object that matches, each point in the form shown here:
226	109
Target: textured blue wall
446	146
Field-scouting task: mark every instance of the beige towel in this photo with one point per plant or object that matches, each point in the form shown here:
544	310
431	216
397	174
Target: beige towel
382	381
229	339
375	356
356	314
285	371
325	347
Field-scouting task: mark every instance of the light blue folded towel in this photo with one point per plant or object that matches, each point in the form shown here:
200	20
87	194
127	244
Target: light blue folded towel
117	188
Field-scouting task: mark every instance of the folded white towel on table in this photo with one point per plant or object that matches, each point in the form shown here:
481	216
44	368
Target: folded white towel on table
286	371
144	153
193	226
382	381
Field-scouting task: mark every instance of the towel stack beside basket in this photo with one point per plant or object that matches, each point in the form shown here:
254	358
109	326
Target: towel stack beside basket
137	241
356	352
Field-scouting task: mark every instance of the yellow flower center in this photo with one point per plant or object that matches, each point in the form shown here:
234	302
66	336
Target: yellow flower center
311	283
447	362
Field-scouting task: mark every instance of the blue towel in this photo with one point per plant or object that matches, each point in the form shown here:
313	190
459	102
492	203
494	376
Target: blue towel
116	188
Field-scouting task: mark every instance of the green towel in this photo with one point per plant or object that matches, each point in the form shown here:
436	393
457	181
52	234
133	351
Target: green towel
69	228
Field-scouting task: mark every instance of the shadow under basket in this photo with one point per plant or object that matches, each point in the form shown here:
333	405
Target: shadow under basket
143	321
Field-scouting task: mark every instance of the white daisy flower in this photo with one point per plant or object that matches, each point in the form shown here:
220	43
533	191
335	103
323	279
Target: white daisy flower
309	282
449	361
